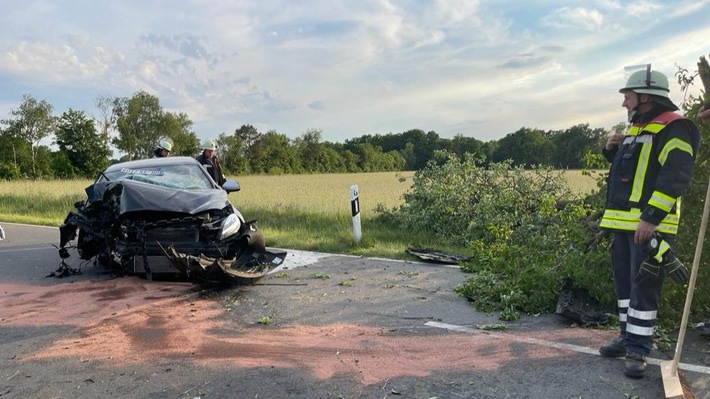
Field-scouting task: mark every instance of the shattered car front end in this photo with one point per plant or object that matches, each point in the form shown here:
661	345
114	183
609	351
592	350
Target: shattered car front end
167	216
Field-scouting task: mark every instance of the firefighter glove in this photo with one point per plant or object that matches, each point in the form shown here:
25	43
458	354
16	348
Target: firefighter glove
650	273
676	270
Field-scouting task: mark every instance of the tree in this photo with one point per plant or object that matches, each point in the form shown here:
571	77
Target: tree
249	136
85	150
230	153
372	159
107	118
273	153
461	145
138	120
178	127
10	145
310	151
525	147
32	122
572	144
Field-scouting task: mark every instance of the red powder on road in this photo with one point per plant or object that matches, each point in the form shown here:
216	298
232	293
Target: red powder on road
131	321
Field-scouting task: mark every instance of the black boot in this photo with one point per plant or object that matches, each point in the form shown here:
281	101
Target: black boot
635	365
614	348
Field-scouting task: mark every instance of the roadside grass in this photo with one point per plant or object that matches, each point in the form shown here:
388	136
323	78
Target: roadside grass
305	212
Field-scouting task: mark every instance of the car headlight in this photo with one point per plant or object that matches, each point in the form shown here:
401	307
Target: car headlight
230	226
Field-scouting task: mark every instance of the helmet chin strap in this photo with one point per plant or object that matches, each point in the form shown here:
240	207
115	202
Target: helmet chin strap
635	111
632	114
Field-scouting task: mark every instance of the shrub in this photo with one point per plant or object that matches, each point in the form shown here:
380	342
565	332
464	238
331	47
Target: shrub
527	231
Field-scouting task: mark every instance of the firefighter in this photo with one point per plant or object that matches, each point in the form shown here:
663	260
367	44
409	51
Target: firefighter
163	148
651	166
210	161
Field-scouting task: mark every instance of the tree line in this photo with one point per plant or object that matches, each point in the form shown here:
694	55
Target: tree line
81	145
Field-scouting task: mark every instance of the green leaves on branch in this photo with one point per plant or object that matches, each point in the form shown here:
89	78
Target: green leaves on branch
528	232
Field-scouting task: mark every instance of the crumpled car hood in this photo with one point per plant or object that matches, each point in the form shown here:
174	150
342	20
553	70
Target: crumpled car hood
138	196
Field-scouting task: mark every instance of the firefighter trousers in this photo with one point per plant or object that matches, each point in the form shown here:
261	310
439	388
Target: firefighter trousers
637	305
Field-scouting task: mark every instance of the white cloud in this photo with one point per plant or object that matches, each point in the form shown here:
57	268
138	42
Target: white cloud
350	68
574	18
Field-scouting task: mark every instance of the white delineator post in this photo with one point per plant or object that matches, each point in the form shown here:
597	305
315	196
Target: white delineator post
355	207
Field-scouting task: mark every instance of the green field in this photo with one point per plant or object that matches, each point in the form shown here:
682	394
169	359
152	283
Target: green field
310	212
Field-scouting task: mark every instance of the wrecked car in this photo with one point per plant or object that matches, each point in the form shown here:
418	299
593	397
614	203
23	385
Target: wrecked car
166	216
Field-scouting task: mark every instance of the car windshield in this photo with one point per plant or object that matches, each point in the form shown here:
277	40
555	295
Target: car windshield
184	177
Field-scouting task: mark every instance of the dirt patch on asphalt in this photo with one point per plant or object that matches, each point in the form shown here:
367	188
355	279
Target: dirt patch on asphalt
124	321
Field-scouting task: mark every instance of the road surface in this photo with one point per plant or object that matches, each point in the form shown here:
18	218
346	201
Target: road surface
326	326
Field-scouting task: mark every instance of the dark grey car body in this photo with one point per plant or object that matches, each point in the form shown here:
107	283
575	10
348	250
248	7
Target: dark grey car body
166	215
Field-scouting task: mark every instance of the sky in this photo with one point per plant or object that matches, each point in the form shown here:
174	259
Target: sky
480	68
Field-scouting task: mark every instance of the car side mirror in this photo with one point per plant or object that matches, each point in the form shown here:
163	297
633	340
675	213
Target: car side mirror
231	186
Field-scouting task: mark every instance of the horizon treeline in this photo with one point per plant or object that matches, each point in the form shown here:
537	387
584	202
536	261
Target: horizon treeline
82	146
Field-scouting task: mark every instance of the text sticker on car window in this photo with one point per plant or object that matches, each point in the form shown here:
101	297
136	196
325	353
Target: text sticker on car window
143	172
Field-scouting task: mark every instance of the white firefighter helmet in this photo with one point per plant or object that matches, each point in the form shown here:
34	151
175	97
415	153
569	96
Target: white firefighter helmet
165	143
646	81
209	144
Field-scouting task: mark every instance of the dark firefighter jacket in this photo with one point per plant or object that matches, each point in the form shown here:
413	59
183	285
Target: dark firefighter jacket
649	171
213	168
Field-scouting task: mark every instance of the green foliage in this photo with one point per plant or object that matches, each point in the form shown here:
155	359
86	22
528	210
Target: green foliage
9	171
524	243
525	147
83	152
271	151
693	201
178	127
30	123
138	120
231	154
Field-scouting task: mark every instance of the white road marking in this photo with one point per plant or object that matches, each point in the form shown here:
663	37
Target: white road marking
32	248
557	345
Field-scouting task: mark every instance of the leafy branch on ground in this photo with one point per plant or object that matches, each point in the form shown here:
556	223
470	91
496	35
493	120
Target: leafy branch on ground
525	228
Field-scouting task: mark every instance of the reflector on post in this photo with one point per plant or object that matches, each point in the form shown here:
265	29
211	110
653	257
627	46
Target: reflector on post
355	210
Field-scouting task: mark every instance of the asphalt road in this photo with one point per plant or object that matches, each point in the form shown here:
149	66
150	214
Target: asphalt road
326	326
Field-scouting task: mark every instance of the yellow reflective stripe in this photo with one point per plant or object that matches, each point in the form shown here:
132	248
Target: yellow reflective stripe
671	145
618	225
662	249
629	220
633	214
640	174
667	229
661	201
651	128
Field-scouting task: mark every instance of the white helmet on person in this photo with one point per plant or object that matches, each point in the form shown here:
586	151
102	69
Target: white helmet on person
209	144
165	143
646	81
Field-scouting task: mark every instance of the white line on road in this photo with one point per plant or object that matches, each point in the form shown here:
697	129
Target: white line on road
32	248
558	345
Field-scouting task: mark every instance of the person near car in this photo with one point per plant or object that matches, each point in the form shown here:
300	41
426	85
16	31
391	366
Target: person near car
163	148
651	166
210	161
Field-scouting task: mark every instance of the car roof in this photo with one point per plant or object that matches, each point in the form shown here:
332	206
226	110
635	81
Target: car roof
152	162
